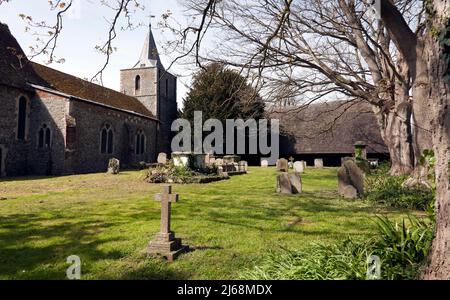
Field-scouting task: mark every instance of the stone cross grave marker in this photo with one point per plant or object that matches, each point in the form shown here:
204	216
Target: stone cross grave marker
165	243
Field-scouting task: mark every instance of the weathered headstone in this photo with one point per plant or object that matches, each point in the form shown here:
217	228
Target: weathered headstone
318	163
304	164
165	243
162	158
290	165
373	162
219	162
242	166
296	183
284	184
114	166
349	192
345	158
264	163
299	167
282	165
350	175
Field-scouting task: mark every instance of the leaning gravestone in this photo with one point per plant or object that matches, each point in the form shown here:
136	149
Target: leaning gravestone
284	184
318	163
349	192
162	158
299	167
282	165
264	163
114	166
296	183
350	175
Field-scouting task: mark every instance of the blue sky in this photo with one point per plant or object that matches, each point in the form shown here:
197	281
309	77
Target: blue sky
87	27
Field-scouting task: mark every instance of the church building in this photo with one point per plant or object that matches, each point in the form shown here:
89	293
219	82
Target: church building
53	123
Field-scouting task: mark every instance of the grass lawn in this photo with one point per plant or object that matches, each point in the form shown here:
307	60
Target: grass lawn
108	221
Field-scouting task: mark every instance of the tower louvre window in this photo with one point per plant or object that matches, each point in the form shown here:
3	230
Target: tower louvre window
137	83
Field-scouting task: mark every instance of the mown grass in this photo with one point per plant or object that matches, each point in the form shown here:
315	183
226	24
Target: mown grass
108	221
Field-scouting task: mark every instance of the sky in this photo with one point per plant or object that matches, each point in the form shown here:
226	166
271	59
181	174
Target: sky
85	26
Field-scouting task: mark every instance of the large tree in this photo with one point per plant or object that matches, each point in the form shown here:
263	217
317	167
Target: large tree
222	93
421	68
320	50
428	60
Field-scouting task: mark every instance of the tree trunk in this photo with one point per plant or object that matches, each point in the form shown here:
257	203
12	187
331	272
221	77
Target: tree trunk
439	74
397	136
430	73
394	120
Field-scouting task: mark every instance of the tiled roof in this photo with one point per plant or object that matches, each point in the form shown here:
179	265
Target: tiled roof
332	127
17	71
83	89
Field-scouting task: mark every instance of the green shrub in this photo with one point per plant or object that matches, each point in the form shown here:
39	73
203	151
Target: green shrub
402	248
386	189
179	174
317	262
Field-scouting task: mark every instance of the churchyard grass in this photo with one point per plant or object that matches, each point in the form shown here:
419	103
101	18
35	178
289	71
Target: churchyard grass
108	220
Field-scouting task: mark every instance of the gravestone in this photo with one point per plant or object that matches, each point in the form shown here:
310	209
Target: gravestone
318	163
243	166
284	184
219	162
114	166
282	165
373	162
290	165
349	192
162	158
350	175
165	243
299	167
304	164
296	183
264	163
344	159
208	158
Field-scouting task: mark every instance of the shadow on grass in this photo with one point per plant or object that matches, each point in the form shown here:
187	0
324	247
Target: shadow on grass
31	249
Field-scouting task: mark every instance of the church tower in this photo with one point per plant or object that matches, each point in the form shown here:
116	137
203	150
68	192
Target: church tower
154	87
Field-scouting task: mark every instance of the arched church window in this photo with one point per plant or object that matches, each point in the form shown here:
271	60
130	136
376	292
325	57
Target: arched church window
22	118
140	142
106	140
137	83
44	137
